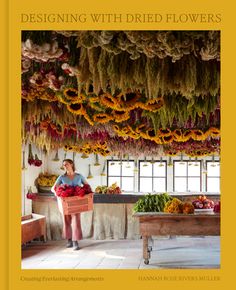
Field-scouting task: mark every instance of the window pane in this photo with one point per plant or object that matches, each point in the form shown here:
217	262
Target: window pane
159	184
114	169
145	169
194	184
128	168
213	184
112	180
180	184
127	183
145	184
159	169
194	170
213	169
180	168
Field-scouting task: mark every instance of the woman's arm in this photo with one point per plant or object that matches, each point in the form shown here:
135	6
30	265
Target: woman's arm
83	180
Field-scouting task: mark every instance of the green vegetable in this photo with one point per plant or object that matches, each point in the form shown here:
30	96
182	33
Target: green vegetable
152	202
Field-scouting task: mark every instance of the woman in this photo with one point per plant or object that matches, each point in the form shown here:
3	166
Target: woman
71	223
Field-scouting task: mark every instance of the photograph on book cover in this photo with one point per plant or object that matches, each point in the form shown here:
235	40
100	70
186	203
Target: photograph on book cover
136	116
118	127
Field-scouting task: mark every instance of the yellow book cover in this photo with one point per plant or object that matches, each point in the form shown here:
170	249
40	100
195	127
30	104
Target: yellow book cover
121	83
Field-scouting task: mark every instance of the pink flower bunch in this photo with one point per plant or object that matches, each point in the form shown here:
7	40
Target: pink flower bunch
49	80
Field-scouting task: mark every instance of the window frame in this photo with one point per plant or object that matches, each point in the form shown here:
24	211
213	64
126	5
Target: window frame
120	176
207	162
152	177
187	176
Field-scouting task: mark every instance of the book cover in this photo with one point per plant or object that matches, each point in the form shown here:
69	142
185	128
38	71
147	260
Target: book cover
113	16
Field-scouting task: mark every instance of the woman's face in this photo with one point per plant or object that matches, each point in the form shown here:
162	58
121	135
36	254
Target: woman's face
68	166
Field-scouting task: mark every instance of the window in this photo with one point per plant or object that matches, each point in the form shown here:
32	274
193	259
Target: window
213	176
121	172
187	176
152	176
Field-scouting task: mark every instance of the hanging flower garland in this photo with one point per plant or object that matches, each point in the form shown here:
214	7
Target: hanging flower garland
150	134
76	108
187	134
97	107
177	135
120	116
120	131
152	105
96	148
198	135
44	124
194	148
109	101
167	139
164	132
71	95
102	118
214	132
88	119
128	101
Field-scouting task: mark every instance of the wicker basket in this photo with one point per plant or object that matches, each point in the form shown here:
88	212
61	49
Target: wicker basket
76	204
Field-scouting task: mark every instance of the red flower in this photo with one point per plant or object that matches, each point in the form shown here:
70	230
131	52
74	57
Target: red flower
79	191
31	161
87	188
31	195
66	190
37	162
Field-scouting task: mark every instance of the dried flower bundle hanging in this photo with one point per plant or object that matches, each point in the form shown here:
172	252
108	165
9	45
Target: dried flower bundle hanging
121	88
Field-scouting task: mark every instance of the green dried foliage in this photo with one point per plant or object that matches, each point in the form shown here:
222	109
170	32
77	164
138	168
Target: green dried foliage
181	110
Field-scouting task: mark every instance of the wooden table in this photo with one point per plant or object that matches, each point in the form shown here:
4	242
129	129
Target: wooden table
161	224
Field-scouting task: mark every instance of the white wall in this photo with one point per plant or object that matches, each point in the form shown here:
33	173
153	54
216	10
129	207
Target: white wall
29	175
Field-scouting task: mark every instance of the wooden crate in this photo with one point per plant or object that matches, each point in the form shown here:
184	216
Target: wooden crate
76	204
33	226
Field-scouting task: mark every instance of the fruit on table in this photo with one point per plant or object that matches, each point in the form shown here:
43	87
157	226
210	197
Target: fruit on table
101	189
113	189
202	202
217	207
188	208
202	197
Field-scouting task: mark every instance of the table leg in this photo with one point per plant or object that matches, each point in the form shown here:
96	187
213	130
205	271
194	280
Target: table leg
146	251
150	243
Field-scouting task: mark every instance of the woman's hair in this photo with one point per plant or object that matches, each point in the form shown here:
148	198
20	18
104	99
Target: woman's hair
71	162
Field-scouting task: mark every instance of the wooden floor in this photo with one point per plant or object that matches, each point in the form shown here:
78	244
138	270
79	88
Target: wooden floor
168	253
